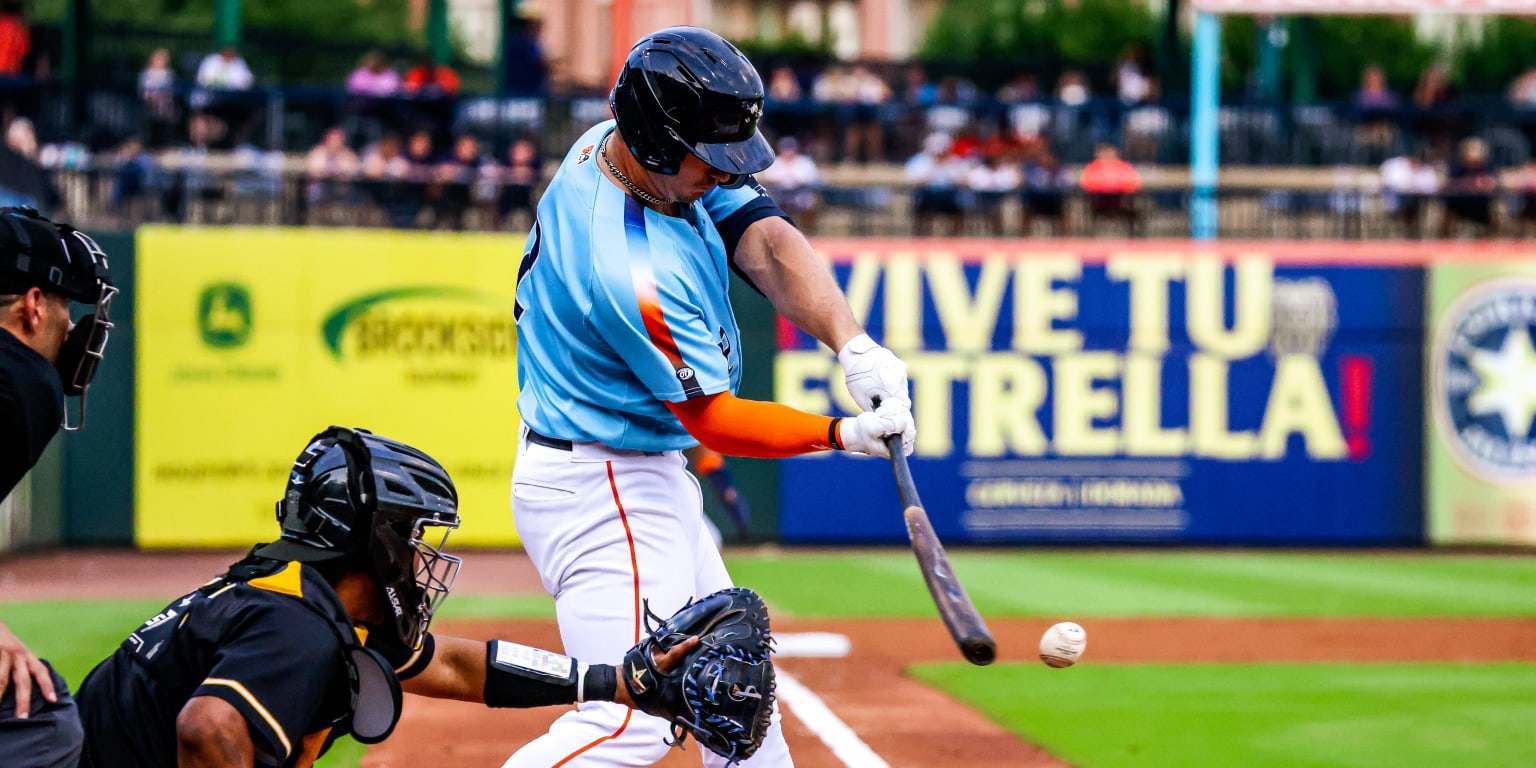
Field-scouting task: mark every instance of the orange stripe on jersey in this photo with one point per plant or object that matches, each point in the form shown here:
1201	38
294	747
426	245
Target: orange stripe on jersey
643	277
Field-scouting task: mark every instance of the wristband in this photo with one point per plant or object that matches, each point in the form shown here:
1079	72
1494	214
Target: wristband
599	682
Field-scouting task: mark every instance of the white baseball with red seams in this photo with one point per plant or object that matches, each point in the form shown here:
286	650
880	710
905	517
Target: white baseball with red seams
1063	644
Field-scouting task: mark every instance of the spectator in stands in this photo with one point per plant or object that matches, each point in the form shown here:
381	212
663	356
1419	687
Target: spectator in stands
1023	87
457	176
919	89
525	70
1470	186
793	180
157	92
1072	89
22	180
329	169
992	181
936	175
422	187
192	180
1374	104
15	39
1374	93
429	79
1437	120
373	77
1524	186
386	174
783	85
225	71
21	138
223	83
1522	92
1407	182
517	180
1046	184
864	139
1111	184
1131	82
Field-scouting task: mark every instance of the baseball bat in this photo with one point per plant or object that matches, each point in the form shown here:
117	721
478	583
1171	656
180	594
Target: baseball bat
960	616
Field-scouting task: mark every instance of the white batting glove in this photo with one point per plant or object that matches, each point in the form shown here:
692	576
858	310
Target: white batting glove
865	433
873	371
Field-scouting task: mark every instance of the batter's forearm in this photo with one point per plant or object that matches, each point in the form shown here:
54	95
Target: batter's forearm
762	430
782	263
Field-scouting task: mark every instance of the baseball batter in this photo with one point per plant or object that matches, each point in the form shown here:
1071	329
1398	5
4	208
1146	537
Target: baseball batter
628	354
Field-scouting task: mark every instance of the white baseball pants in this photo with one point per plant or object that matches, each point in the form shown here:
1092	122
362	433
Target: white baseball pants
610	530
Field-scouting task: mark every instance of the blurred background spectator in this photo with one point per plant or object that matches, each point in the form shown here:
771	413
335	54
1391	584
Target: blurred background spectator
224	82
373	77
1046	185
456	176
15	38
329	169
1408	181
157	92
937	176
1111	185
1470	186
517	180
793	180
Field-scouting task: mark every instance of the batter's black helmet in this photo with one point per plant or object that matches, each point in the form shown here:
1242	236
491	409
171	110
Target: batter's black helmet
686	90
353	494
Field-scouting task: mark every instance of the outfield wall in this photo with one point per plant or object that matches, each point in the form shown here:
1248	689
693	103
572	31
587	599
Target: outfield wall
1066	391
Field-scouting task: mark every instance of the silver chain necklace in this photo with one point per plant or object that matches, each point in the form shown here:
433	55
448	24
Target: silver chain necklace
630	185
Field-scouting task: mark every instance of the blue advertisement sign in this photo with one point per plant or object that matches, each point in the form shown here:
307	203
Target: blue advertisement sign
1073	392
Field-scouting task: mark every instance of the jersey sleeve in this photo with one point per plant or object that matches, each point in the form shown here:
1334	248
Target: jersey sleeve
735	209
646	311
275	667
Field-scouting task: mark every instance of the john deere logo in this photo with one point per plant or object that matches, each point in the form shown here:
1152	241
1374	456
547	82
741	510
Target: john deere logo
224	315
434	322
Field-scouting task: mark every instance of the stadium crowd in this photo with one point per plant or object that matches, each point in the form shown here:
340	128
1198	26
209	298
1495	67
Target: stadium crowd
408	149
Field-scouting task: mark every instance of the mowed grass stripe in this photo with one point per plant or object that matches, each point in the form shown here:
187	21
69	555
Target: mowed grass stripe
1143	583
1259	715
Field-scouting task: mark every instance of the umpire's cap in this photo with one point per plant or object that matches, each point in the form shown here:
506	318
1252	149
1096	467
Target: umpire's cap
36	252
686	90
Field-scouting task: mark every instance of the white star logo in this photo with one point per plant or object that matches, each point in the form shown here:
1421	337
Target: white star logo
1508	382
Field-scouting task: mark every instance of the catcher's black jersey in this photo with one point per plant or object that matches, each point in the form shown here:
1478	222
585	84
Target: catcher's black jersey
271	647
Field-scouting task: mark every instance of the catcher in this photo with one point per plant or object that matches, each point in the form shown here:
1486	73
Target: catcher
315	635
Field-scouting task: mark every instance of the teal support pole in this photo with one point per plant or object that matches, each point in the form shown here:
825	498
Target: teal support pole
1205	84
226	22
437	31
1272	40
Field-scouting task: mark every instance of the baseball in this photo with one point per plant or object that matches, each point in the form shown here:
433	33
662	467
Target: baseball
1063	644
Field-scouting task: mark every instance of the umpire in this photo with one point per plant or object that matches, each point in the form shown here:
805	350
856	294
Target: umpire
43	357
314	636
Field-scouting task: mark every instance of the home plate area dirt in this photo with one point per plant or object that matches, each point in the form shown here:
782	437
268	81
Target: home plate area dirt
911	725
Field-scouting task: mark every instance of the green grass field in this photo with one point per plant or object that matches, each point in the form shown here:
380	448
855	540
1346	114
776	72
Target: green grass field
1104	715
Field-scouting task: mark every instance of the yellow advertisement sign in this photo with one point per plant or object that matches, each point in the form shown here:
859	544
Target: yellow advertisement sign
250	341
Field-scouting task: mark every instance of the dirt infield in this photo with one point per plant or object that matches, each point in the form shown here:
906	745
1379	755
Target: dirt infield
906	723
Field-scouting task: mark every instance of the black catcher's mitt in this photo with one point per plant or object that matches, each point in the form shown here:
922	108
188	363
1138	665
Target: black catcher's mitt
722	693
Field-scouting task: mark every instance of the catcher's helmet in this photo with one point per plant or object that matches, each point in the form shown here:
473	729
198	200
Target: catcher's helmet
353	494
686	90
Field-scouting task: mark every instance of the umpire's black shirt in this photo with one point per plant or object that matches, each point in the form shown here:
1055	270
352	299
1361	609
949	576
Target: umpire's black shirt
268	646
31	408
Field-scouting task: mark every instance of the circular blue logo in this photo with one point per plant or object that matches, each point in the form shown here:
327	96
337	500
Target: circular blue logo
1484	363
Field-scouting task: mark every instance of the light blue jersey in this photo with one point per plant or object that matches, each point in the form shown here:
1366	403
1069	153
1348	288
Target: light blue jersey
620	308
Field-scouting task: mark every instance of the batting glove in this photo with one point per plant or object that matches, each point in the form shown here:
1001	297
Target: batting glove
865	433
872	371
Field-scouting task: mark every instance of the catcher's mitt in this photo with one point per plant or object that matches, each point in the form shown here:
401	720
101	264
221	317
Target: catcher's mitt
722	692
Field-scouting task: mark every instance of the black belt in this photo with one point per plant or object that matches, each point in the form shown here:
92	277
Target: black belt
548	442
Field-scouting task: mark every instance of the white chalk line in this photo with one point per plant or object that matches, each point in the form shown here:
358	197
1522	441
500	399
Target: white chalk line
814	713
